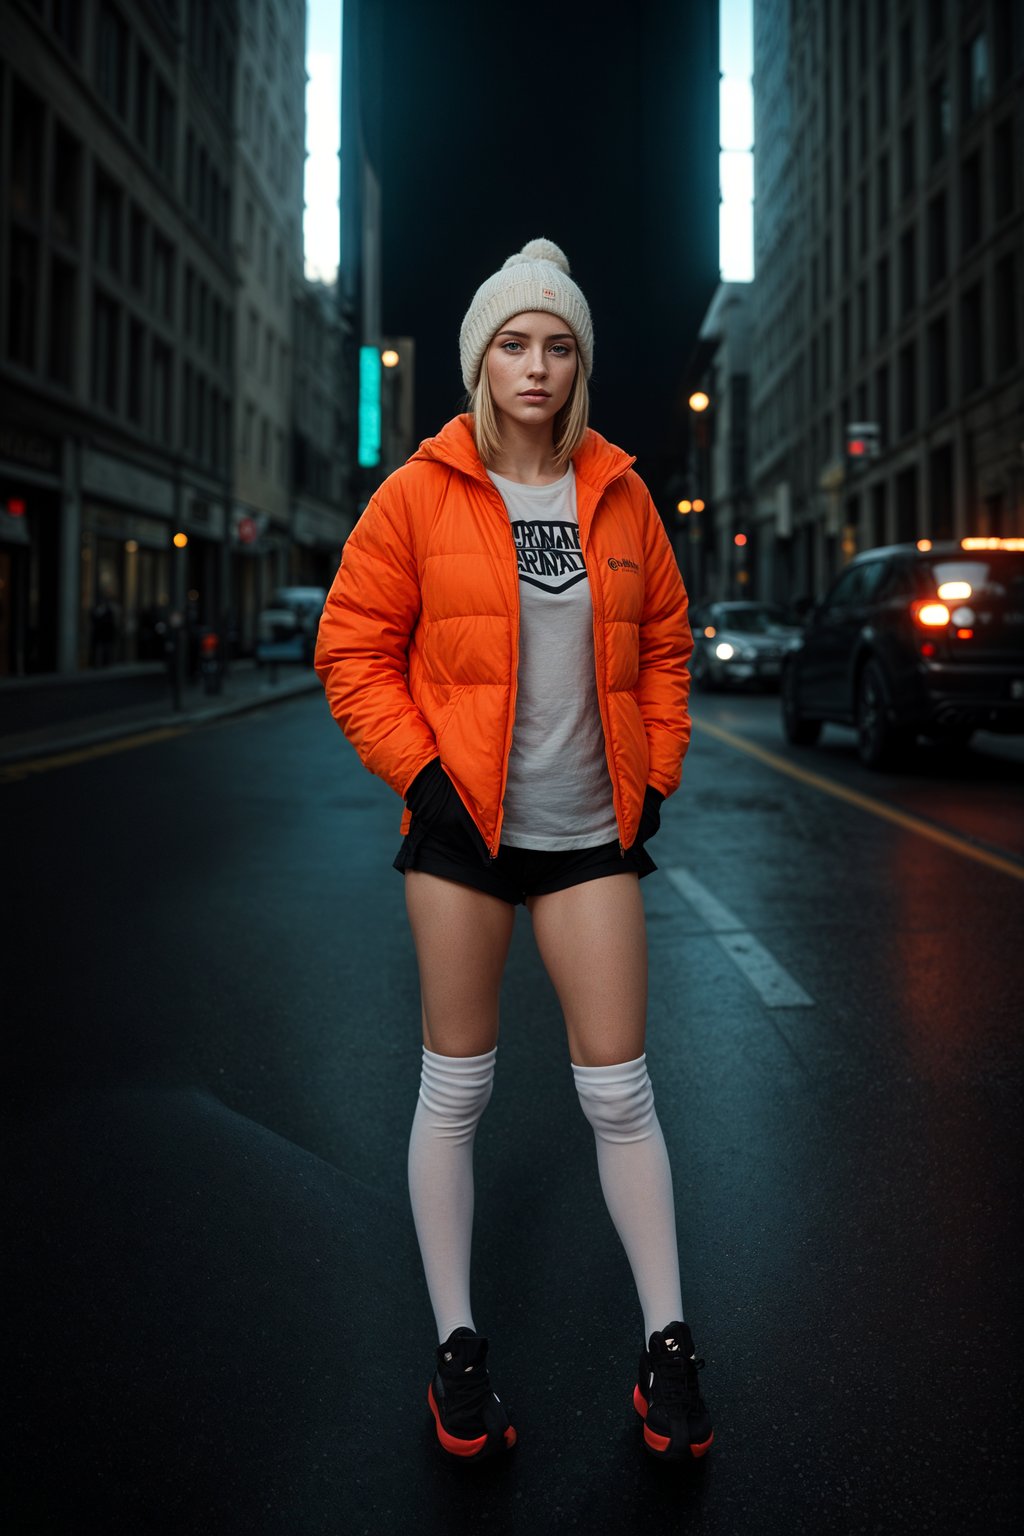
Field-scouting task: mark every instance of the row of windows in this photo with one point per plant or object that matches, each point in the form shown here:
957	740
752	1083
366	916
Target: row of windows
137	95
211	53
985	202
208	322
893	395
207	192
983	60
259	249
260	130
273	348
257	441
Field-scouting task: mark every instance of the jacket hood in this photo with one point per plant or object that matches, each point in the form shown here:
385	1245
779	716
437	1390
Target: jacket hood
596	461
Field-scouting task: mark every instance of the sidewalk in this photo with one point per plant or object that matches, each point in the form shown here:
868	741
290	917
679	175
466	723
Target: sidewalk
246	687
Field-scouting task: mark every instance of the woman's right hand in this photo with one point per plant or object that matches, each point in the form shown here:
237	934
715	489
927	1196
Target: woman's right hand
437	807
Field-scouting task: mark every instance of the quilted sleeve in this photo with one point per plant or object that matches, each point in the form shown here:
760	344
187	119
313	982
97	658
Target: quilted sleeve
663	686
363	644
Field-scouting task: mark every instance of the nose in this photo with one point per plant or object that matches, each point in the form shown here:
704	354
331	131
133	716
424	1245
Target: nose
538	366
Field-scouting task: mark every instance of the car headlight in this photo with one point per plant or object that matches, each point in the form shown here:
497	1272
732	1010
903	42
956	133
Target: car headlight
724	651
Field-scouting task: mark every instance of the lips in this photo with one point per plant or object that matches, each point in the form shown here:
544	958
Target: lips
534	394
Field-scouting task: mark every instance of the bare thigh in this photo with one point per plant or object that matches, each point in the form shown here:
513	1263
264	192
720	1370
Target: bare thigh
462	938
592	939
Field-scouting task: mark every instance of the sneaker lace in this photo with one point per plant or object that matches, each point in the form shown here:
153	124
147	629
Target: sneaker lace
676	1381
469	1391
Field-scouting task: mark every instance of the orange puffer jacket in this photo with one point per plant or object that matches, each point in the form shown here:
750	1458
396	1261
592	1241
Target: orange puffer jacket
418	647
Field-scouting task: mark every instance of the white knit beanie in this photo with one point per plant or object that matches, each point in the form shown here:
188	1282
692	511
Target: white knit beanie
536	278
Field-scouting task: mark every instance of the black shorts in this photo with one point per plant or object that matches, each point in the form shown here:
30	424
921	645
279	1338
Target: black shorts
520	872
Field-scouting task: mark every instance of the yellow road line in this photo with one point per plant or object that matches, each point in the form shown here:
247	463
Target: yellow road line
14	771
904	819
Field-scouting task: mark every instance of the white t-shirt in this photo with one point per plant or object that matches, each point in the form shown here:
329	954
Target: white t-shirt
559	794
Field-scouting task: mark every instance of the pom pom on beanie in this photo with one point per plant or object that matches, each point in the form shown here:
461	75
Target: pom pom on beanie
537	277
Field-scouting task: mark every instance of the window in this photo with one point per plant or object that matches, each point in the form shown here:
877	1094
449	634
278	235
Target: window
202	421
862	219
844	254
137	250
883	191
265	446
938	365
882	93
1007	314
112	59
907	158
190	302
970	201
1003	168
939	119
163	147
62	322
263	253
976	74
204	316
882	402
906	64
105	324
882	297
248	423
908	260
248	227
253	340
136	369
26	174
862	319
22	298
844	337
160	393
971	339
67	181
143	98
907	389
66	23
938	245
107	206
163	277
247	104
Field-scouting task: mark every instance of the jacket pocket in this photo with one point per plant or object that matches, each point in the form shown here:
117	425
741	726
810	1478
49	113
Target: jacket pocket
449	710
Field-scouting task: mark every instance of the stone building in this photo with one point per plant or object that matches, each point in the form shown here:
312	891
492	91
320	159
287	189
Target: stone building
889	272
322	437
117	284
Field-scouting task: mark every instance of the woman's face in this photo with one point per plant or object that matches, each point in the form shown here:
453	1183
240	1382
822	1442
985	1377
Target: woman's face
531	363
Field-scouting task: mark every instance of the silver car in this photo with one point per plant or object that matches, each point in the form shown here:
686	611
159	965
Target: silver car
741	645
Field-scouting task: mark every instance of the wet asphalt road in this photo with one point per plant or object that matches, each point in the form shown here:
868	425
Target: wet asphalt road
219	1323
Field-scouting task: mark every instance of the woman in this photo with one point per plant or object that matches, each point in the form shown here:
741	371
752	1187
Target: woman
506	644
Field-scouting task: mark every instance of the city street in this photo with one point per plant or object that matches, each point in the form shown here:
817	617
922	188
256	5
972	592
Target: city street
219	1322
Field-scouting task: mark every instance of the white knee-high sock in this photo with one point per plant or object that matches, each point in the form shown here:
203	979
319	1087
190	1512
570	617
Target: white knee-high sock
636	1181
454	1092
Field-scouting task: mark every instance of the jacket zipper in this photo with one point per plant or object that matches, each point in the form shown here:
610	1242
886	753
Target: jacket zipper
597	600
514	690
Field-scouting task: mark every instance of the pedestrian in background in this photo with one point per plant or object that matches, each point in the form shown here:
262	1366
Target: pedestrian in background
505	643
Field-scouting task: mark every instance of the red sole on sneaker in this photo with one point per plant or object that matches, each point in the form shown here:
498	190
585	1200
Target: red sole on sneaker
467	1449
661	1445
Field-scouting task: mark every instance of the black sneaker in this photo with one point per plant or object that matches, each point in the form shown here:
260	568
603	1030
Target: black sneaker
470	1419
667	1397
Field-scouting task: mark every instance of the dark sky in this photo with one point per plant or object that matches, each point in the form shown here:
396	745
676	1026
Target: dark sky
593	124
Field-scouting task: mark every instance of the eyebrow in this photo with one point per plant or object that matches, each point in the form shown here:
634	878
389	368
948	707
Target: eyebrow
524	335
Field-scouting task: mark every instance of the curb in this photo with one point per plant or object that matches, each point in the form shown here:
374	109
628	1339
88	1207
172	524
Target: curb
180	720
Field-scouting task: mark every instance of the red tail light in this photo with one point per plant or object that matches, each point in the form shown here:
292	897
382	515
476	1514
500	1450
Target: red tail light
930	614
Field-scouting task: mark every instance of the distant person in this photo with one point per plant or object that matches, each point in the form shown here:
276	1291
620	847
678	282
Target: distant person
505	643
106	630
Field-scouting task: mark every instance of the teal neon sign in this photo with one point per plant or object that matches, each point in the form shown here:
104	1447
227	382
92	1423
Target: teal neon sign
369	407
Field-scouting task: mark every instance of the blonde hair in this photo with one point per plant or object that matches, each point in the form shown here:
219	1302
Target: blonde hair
568	428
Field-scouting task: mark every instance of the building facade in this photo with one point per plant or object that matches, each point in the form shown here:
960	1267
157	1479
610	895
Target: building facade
115	356
889	269
271	139
321	439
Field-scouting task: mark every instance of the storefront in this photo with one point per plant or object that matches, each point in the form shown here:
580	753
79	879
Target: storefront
29	538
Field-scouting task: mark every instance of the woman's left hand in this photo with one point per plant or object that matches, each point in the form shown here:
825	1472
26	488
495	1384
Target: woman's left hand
650	816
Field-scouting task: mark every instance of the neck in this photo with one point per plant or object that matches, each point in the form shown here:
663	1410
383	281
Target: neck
527	454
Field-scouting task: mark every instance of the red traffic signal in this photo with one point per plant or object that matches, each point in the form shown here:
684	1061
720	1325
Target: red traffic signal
739	539
16	506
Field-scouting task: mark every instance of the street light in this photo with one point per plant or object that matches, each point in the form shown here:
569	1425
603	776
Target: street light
390	358
699	401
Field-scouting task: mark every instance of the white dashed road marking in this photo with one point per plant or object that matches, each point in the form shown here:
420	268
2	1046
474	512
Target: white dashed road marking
771	980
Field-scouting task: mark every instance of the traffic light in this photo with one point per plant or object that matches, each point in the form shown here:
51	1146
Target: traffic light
862	442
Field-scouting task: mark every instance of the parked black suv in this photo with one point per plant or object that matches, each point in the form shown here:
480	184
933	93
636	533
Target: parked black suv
910	641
